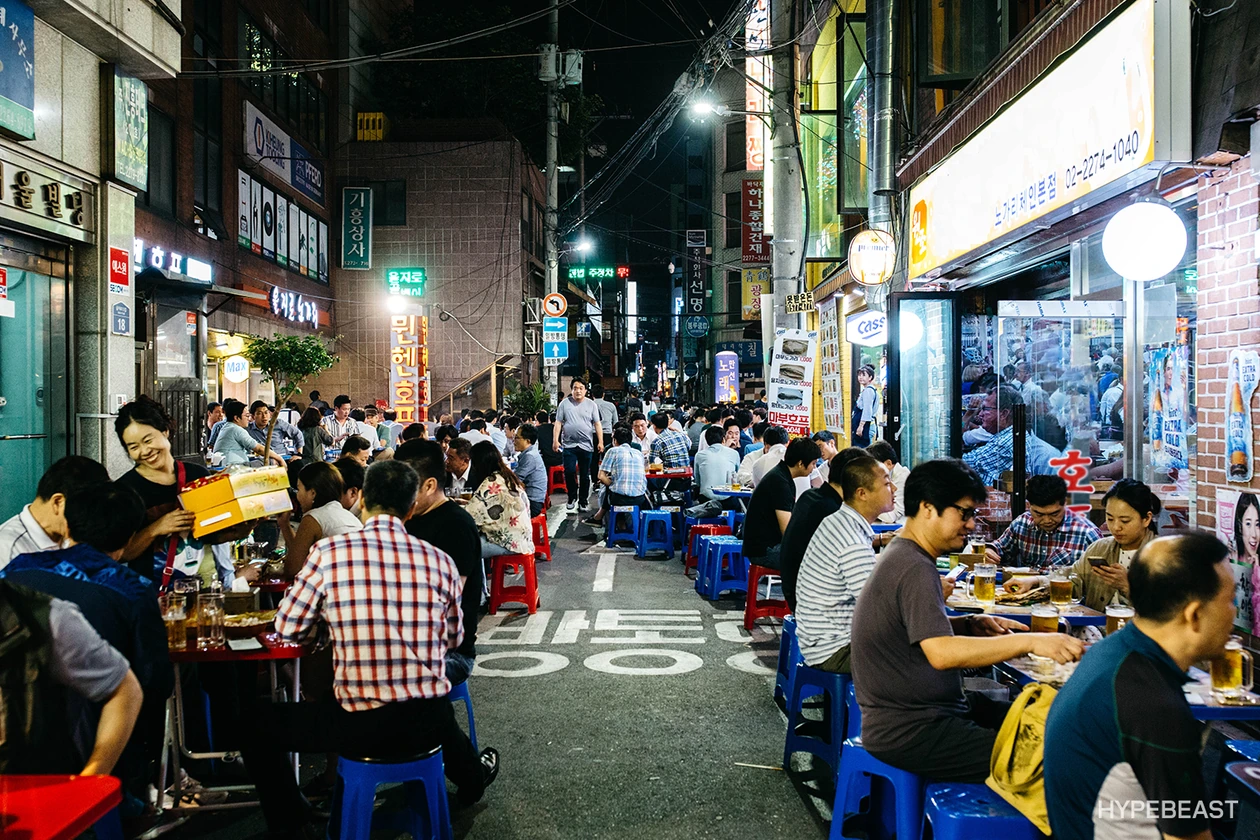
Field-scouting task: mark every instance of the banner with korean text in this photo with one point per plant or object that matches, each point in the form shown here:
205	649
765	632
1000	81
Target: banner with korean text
791	385
409	367
756	282
754	247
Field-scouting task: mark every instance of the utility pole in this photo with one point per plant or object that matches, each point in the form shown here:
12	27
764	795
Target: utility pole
788	242
551	223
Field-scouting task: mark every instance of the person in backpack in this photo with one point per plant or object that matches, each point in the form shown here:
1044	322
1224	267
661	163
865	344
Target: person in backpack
863	420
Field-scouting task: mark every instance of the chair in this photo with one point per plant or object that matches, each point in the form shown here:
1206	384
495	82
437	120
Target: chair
955	811
809	682
555	481
663	541
722	567
767	607
789	658
525	593
858	771
691	557
542	540
615	533
459	694
427	816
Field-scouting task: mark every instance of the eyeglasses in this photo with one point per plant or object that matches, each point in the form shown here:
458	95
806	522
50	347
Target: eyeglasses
967	513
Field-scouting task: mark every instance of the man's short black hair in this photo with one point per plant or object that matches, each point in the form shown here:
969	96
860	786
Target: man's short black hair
1045	490
211	406
425	457
413	431
759	429
447	432
1170	573
634	417
461	446
597	391
105	516
728	422
355	443
68	474
390	415
314	395
744	416
490	415
340	400
542	417
861	471
391	486
801	451
232	409
479	425
713	435
775	435
882	450
942	482
621	434
527	431
257	404
835	467
713	415
824	436
351	472
660	420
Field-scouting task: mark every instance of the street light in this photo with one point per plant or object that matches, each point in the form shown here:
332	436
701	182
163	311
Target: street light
1145	240
704	108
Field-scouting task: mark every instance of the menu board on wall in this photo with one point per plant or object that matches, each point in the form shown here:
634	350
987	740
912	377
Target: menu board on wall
273	226
791	384
829	361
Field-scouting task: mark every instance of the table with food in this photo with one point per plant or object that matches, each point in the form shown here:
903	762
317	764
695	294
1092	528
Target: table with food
1041	608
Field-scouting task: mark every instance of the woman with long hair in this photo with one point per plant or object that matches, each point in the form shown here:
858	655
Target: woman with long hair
319	491
1247	544
499	505
314	436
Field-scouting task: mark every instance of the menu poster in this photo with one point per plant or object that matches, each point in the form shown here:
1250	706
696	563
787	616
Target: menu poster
1238	526
832	379
791	385
1167	407
1244	371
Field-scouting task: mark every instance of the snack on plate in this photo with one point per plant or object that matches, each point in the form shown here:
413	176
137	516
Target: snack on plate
216	490
240	510
249	624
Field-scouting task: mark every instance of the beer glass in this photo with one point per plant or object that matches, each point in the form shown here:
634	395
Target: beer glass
188	589
175	617
983	583
1227	672
1118	615
1045	618
1061	587
210	616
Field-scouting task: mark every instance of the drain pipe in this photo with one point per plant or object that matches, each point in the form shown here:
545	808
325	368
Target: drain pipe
881	41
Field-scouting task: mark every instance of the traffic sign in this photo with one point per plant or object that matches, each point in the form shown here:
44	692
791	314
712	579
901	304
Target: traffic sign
555	325
697	326
555	305
584	329
555	352
691	370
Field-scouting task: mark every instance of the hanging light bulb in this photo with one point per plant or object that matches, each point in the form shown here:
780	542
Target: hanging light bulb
1145	240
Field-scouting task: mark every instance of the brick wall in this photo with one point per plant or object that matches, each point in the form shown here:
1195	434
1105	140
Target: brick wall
1229	315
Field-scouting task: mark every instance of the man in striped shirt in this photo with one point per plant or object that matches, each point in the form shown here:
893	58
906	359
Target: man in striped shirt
391	604
837	563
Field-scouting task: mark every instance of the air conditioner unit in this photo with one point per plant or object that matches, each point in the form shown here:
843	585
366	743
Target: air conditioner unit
531	342
533	312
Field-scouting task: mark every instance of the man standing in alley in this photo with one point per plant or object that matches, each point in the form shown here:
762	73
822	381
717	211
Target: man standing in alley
579	434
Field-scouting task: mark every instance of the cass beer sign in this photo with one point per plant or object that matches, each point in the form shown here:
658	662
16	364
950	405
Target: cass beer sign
869	329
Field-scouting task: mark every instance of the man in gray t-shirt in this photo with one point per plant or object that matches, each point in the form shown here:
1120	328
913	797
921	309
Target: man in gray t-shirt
579	432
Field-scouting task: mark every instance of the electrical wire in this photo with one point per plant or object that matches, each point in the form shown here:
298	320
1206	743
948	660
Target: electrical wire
608	28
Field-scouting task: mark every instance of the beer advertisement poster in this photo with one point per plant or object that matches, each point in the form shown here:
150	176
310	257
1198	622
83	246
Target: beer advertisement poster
1167	408
1238	526
1244	371
791	385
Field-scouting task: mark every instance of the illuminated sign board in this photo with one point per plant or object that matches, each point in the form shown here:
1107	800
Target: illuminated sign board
169	262
407	282
598	272
293	307
409	367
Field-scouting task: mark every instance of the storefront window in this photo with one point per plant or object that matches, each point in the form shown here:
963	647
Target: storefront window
927	342
176	343
819	145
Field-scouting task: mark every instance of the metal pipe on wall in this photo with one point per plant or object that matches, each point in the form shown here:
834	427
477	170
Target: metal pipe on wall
881	40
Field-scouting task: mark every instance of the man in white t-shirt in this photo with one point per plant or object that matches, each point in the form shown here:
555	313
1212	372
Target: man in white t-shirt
41	525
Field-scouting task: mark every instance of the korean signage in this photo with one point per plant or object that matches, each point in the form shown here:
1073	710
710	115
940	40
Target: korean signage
173	264
754	247
555	340
757	74
17	70
130	103
749	352
276	228
119	271
756	282
697	272
868	329
41	197
409	367
293	307
272	148
830	367
798	304
1088	123
598	272
791	383
726	383
356	228
408	282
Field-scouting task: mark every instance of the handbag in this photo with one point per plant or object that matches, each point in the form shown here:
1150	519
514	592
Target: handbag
1017	766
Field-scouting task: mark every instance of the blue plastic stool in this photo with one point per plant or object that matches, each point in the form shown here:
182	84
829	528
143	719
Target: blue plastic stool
677	521
109	827
853	711
664	521
615	533
858	772
459	693
704	547
789	657
723	552
427	816
737	520
809	682
973	812
1245	750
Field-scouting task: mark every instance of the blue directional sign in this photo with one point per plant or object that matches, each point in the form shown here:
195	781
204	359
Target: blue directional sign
555	352
556	325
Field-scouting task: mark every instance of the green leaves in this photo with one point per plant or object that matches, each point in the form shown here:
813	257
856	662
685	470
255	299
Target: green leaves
526	402
287	361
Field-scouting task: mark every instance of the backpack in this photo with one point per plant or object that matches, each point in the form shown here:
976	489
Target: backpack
1017	766
34	736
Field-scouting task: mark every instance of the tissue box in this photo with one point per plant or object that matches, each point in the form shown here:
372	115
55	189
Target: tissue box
216	490
240	510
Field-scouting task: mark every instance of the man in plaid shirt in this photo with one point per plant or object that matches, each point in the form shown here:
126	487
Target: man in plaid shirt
1047	534
622	474
391	604
672	447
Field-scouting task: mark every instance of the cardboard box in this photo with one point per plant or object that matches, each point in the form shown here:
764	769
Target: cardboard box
216	490
241	510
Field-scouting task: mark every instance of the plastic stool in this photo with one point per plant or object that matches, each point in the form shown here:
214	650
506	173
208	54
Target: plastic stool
713	577
856	772
1245	750
809	682
427	815
789	657
691	557
664	542
555	481
615	534
459	694
542	540
526	593
854	712
755	608
109	827
973	812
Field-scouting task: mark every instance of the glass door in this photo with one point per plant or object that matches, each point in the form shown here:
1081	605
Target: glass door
924	417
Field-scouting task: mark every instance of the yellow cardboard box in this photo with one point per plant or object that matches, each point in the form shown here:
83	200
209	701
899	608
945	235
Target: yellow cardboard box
216	490
241	510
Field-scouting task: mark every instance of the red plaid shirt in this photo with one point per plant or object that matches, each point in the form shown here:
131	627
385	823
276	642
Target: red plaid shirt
392	606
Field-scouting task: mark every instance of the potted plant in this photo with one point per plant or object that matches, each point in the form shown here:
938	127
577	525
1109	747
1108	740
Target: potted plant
287	361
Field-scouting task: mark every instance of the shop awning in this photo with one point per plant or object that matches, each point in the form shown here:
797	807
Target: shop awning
227	290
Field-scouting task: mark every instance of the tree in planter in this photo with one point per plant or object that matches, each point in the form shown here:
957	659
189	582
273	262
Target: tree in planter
287	361
527	402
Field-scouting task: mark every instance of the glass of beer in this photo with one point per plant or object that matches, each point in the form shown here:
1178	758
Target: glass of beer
983	583
1227	672
210	617
1118	615
1045	618
1061	588
175	617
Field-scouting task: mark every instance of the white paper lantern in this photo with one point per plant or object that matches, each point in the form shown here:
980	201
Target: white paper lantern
1145	240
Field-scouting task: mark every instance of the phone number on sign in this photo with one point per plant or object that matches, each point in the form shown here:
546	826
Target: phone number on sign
1091	165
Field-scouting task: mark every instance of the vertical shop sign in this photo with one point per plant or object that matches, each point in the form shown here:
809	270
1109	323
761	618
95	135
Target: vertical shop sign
243	188
757	73
726	384
356	228
17	70
119	271
754	247
268	223
791	384
1244	371
756	282
829	362
130	103
409	367
255	216
696	282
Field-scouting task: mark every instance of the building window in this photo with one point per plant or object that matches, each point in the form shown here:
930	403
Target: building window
160	197
207	110
317	11
294	98
734	296
736	150
389	203
733	223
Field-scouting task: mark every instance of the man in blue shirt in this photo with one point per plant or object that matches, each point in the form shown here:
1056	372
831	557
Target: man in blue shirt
715	467
285	438
1122	747
998	455
530	468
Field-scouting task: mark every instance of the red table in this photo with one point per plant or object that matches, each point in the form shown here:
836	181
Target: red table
58	807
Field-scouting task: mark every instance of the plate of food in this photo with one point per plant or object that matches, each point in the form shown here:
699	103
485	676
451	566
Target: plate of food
248	624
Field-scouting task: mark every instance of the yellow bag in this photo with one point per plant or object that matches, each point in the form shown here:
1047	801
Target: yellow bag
1017	767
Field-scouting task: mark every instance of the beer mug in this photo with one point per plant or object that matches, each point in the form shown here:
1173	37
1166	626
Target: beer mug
1227	672
982	585
1045	619
1061	588
175	617
1118	615
210	617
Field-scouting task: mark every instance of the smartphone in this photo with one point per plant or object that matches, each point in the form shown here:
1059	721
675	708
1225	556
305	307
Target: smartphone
956	572
1097	561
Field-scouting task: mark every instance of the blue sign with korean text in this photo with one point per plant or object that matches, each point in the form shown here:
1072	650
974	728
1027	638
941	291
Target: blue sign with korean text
749	352
307	174
17	70
697	326
121	319
555	352
726	384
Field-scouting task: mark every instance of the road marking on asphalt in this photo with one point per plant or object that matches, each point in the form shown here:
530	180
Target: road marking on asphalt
683	662
604	571
545	663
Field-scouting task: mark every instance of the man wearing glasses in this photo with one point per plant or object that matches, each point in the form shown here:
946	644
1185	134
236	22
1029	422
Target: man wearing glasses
908	655
997	456
1047	534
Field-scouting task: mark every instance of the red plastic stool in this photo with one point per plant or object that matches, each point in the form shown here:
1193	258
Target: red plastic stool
555	481
767	608
542	540
690	558
526	593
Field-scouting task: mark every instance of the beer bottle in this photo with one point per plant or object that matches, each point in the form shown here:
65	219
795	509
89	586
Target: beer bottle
1236	430
1157	422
